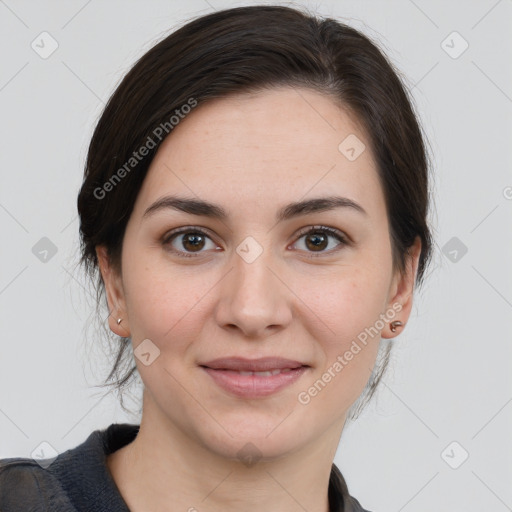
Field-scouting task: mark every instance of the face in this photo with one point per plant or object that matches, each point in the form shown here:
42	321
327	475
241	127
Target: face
281	274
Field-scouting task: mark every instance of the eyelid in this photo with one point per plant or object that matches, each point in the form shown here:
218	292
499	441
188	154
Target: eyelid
185	229
318	227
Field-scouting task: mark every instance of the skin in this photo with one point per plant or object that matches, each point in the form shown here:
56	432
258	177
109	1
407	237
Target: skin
251	154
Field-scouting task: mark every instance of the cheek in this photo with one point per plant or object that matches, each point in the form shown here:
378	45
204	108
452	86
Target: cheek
162	303
351	306
352	300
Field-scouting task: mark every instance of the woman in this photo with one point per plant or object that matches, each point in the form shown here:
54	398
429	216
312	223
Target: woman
254	206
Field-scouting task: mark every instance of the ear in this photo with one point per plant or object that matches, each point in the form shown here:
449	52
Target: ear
402	290
115	294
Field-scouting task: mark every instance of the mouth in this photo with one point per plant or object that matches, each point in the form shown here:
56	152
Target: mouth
254	378
267	373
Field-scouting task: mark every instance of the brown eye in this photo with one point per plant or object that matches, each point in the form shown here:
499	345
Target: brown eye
190	242
321	240
193	241
317	241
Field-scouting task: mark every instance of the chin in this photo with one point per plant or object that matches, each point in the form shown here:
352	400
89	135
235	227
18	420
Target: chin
255	436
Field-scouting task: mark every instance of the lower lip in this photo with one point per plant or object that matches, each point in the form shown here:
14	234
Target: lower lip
253	386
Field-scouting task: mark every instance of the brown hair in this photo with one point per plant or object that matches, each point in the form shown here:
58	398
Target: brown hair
247	49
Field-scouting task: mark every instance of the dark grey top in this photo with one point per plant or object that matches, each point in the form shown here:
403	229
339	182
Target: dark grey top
78	480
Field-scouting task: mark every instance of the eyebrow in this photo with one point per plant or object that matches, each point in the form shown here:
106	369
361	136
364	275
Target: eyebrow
207	209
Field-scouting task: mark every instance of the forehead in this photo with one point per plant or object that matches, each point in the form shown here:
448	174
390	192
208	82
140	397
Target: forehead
263	146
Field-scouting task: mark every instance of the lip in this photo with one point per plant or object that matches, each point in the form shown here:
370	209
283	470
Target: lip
261	364
225	373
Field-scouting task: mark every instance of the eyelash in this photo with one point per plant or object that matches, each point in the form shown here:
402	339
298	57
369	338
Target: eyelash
312	229
342	239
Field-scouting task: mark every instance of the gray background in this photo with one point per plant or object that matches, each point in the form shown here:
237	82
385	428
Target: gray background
450	379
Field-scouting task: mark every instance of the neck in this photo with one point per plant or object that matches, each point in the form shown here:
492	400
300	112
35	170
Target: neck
165	468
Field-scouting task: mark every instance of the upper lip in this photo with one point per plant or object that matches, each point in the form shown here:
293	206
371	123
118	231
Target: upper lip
252	365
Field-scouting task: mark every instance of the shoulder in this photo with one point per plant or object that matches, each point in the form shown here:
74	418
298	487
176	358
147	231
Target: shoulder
24	483
77	480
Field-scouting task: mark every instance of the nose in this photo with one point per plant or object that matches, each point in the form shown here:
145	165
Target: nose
253	298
